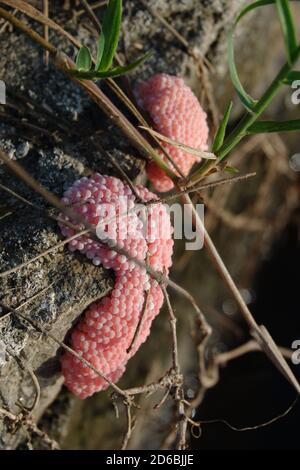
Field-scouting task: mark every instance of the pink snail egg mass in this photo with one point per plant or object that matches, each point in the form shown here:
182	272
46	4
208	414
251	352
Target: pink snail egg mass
177	114
105	332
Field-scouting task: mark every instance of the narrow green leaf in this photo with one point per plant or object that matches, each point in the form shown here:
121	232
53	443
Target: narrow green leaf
110	35
101	43
196	152
246	99
252	6
220	135
114	72
292	77
84	59
231	169
288	29
248	102
262	127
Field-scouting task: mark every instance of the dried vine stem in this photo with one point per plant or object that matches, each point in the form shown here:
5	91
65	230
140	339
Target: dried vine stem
171	381
37	327
250	346
46	29
130	427
24	366
44	253
257	426
26	302
93	7
178	379
140	322
29	425
91	14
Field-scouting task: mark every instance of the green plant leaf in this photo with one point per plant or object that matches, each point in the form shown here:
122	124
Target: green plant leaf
100	49
231	169
246	99
262	127
220	135
288	29
109	36
292	77
252	6
114	72
84	59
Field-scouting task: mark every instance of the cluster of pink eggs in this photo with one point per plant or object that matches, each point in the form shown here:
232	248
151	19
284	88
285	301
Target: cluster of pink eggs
106	335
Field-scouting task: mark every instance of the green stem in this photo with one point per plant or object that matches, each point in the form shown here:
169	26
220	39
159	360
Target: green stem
247	120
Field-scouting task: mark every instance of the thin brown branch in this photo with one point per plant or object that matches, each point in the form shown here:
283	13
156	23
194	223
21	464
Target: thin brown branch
178	379
46	29
130	427
119	169
163	399
91	14
65	347
173	322
27	30
151	388
250	346
36	15
28	424
43	254
26	125
7	214
257	426
95	6
200	187
140	322
26	302
24	366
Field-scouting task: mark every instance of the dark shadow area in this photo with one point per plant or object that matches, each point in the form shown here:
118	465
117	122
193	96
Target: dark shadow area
251	391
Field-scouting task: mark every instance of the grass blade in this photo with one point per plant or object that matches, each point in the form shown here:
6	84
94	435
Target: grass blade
198	153
100	50
115	72
288	29
109	36
273	126
219	139
246	99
